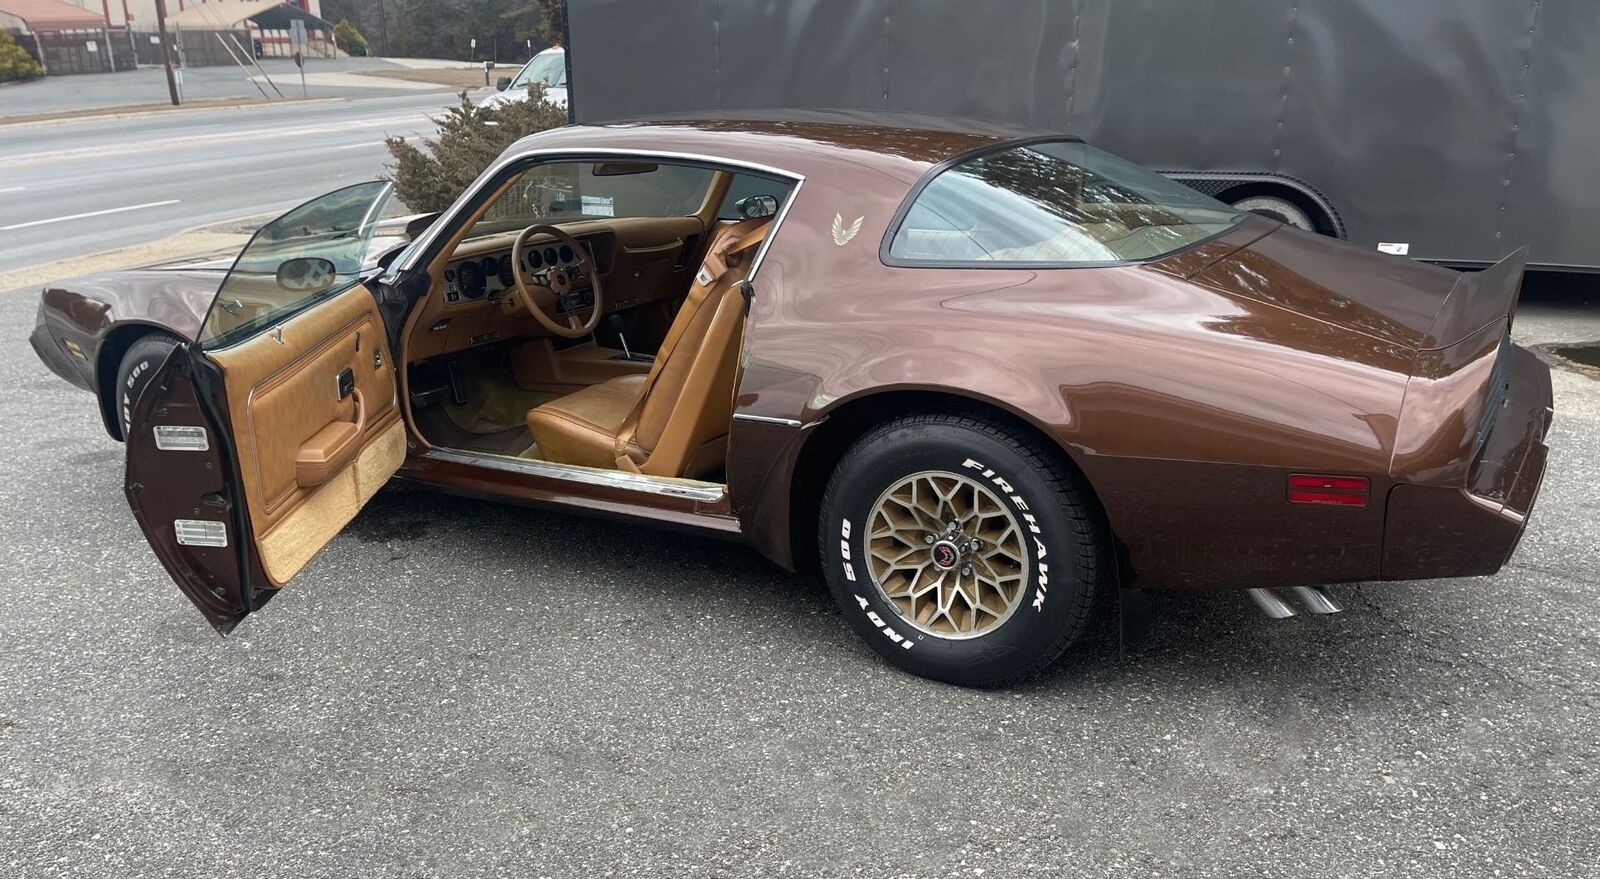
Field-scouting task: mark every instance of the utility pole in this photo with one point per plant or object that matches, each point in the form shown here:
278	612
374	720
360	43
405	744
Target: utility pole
383	28
111	54
166	49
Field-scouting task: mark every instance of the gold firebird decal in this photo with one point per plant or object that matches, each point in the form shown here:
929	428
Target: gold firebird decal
843	234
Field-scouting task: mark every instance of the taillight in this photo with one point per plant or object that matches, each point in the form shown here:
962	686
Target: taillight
1312	488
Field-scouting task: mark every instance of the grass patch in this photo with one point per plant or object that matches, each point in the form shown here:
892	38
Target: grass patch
454	77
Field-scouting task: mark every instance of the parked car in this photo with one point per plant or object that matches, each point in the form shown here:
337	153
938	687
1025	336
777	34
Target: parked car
978	379
548	69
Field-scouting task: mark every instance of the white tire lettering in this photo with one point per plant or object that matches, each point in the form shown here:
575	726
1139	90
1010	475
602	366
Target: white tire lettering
844	551
887	630
1042	586
850	574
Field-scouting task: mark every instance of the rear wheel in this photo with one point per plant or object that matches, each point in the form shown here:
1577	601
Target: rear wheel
133	374
960	549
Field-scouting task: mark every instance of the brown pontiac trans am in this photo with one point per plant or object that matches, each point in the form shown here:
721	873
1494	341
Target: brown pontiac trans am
978	378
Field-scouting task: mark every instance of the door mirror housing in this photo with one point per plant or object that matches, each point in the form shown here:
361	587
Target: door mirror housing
753	206
503	84
307	274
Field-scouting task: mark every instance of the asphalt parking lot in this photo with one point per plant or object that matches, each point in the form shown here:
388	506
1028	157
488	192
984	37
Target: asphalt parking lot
461	688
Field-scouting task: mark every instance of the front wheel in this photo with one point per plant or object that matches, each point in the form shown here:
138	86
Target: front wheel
960	549
135	371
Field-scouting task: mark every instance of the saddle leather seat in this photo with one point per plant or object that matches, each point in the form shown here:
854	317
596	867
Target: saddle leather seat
674	420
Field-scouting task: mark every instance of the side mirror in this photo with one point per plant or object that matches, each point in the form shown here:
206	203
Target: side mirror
753	206
503	84
307	274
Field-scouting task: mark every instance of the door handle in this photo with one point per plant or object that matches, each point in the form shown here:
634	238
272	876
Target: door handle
330	449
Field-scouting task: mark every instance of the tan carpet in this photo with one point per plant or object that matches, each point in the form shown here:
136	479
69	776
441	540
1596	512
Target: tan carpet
494	402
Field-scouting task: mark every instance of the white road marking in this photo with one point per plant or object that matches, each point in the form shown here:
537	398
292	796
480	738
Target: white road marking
13	189
132	207
200	140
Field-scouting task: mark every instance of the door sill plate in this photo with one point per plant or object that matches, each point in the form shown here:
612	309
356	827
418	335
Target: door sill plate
689	489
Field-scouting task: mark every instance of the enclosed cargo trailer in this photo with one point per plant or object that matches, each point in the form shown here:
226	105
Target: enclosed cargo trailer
1448	130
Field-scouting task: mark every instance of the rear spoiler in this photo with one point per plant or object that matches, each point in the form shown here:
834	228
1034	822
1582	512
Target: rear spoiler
1477	300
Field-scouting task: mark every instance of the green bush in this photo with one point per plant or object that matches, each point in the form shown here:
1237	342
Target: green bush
15	62
470	138
350	39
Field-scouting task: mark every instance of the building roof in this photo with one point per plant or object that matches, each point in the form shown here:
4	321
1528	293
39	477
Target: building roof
52	15
269	14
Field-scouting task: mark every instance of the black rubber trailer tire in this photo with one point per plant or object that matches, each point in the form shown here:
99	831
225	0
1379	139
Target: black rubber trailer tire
1276	208
1015	478
139	363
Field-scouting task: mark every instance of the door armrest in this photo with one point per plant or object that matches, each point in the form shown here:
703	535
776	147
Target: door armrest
330	449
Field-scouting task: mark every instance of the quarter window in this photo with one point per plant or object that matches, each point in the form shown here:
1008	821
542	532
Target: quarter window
1054	203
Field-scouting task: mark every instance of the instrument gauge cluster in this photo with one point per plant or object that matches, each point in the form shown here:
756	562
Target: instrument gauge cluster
536	258
470	280
491	276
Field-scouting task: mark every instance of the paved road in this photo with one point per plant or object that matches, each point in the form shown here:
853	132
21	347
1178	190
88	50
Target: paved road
148	85
86	186
461	688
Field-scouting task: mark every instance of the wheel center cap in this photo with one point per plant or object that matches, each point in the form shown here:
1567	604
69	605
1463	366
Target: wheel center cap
945	555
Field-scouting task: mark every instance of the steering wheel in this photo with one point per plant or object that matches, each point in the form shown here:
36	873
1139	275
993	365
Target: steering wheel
556	283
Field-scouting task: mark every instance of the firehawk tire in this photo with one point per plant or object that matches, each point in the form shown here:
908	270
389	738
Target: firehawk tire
988	602
139	363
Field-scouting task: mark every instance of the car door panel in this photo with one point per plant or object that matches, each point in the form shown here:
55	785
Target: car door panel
180	491
285	407
264	434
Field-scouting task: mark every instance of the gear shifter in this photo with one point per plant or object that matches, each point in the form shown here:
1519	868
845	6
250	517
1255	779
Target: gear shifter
614	324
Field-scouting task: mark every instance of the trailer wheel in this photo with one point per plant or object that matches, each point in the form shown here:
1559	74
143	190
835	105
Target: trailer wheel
1274	208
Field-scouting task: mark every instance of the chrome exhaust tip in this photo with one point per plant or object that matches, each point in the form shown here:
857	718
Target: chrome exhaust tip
1317	600
1270	603
1314	599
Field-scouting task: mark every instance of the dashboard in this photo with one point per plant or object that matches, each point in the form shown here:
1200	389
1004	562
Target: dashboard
489	277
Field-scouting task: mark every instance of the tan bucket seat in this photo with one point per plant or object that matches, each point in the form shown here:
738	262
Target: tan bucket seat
674	420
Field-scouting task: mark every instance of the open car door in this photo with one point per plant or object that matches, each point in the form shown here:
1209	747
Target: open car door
255	443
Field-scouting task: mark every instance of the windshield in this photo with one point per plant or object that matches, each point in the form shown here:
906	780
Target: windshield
304	256
560	192
546	68
1055	203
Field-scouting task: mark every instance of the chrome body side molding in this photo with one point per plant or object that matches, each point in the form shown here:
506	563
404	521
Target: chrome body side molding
766	419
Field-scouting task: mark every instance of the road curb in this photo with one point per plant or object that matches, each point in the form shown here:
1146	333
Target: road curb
195	241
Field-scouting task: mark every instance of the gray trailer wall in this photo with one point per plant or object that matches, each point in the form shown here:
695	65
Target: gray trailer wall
1463	127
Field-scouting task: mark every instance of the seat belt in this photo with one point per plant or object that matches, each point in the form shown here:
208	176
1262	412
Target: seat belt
734	241
731	244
